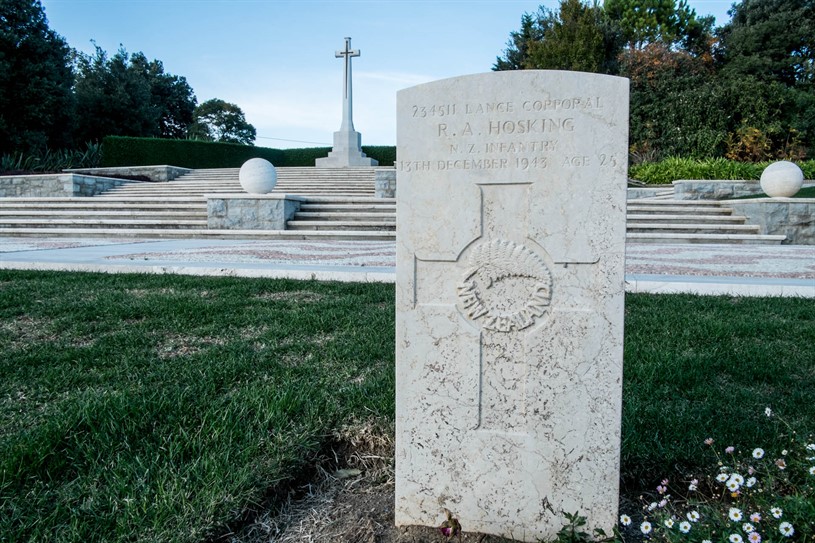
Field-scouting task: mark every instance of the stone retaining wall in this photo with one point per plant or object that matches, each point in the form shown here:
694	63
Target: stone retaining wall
154	173
385	183
690	189
57	185
793	217
251	211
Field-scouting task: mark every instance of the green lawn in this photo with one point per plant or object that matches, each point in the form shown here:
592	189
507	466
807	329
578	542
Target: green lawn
162	408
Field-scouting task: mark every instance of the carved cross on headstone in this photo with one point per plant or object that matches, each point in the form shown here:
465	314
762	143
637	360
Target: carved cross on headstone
503	287
347	114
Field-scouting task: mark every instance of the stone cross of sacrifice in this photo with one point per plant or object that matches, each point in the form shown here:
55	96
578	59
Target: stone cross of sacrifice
347	121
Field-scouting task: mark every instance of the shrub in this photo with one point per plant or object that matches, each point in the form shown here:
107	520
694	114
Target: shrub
53	161
126	151
669	170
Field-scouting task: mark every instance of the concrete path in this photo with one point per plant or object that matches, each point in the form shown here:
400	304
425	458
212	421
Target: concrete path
750	270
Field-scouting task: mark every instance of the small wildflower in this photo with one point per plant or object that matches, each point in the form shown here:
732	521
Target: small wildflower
663	503
781	463
732	485
812	470
707	541
737	478
735	538
758	453
811	447
748	528
754	537
669	523
722	477
625	520
776	512
755	517
768	411
694	516
786	529
684	527
645	527
751	482
709	441
735	514
750	470
784	452
653	506
729	450
662	489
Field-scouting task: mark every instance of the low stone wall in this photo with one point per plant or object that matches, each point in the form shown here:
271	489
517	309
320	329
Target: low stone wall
385	183
154	173
251	211
689	189
635	193
793	217
57	185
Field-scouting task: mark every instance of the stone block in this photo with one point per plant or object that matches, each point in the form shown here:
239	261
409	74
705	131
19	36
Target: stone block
251	211
510	254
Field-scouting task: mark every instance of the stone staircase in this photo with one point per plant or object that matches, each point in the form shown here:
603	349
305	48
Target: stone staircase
655	220
340	204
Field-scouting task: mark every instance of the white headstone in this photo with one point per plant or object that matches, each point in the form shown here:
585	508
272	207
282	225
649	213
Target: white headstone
782	179
510	285
257	176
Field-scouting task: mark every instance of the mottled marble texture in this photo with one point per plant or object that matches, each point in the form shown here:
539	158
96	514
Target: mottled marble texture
510	257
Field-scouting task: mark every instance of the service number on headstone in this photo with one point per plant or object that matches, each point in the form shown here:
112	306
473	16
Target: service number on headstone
510	275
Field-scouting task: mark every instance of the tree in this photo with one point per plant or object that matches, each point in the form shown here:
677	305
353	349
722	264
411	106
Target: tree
661	21
532	30
170	94
128	95
217	120
577	37
36	103
771	40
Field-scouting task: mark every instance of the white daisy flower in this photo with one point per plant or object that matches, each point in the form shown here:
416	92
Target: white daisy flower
625	520
748	528
750	483
738	478
735	538
755	517
646	527
653	506
758	453
669	523
707	541
768	411
735	514
811	447
684	526
722	477
694	516
786	529
754	537
812	470
732	485
776	512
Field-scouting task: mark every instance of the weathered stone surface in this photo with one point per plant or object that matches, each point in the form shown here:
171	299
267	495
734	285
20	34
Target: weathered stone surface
385	183
257	176
688	189
55	185
159	173
251	211
782	179
510	254
792	217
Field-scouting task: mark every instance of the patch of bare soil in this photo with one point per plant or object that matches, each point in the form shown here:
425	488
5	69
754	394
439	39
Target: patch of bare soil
351	499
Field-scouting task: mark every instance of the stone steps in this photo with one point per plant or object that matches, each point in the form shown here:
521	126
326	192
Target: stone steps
753	239
167	233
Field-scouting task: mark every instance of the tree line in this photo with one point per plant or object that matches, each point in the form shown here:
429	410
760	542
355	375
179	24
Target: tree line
743	90
52	96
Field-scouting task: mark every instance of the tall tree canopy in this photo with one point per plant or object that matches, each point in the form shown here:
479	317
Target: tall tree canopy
217	120
745	91
35	79
126	95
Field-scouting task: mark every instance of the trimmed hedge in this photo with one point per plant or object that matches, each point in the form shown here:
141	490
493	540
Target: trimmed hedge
126	151
666	171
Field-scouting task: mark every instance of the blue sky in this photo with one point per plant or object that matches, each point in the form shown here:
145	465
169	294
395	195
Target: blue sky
275	58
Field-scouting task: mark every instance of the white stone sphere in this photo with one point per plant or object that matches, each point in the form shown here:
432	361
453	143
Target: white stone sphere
781	179
257	176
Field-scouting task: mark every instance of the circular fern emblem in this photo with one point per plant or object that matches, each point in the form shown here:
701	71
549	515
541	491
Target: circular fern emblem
506	286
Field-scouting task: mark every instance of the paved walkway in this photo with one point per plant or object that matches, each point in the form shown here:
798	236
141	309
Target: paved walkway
753	270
